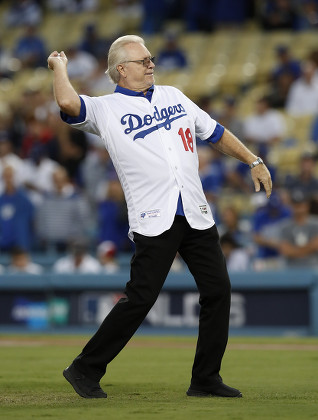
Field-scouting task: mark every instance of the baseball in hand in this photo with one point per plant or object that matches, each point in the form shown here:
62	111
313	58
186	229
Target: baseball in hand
59	57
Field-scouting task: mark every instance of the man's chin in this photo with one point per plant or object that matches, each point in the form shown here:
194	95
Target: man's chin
151	80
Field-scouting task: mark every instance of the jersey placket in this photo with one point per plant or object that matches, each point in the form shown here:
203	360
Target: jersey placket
171	155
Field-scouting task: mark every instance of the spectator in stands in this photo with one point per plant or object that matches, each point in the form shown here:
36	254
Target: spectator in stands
286	64
303	94
81	64
32	104
212	170
73	149
229	118
264	128
37	134
99	83
106	253
305	180
237	178
237	259
63	214
95	169
153	16
278	91
8	158
299	235
266	222
23	12
278	14
93	43
31	49
230	13
308	15
232	224
112	216
78	260
22	264
199	15
171	56
16	214
287	70
212	173
38	173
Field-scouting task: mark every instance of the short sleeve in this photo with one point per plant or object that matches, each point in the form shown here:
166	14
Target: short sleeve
91	114
75	120
217	134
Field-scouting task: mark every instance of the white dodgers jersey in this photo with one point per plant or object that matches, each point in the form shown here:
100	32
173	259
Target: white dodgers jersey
153	148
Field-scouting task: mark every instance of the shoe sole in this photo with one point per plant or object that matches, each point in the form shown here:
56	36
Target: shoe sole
68	376
203	394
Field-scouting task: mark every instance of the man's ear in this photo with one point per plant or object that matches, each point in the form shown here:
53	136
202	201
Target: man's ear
121	70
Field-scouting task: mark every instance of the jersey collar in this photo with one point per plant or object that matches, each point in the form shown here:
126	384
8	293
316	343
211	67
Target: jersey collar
129	92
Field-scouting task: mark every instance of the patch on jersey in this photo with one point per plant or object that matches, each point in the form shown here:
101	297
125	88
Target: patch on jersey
204	209
166	115
150	213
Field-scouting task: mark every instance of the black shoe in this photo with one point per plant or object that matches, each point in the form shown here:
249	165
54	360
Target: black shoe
85	387
217	390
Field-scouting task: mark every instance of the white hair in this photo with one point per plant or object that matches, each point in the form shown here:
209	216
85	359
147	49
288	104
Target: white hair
117	54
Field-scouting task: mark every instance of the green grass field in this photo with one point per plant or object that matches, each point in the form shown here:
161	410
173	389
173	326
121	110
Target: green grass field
148	380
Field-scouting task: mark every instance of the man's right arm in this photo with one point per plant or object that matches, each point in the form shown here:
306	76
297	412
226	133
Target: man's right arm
65	95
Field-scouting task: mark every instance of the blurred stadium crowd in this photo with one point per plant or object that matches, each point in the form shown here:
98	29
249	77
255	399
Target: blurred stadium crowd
252	65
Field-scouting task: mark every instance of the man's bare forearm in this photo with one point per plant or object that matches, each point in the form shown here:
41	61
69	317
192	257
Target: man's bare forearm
65	95
230	145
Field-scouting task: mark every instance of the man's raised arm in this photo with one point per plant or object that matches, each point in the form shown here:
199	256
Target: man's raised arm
65	95
232	146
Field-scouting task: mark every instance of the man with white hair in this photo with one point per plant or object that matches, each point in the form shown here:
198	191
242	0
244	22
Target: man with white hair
149	132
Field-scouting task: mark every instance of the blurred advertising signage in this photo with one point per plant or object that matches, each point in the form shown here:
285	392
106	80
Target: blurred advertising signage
39	314
175	308
181	308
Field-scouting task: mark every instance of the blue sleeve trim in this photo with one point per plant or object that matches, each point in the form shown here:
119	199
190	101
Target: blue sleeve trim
217	134
75	120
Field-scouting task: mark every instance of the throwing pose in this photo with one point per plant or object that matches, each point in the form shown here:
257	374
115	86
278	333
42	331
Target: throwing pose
149	132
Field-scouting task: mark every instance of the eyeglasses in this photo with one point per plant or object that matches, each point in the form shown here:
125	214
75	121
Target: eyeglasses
145	62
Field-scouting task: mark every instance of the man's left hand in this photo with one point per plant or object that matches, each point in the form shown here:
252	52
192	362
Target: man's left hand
260	175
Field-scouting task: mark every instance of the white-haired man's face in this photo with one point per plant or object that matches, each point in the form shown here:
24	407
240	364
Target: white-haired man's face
137	72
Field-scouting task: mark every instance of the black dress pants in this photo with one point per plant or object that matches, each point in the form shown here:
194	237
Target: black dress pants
150	265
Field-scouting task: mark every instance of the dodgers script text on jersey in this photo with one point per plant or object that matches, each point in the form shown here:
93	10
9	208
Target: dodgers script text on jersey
135	122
